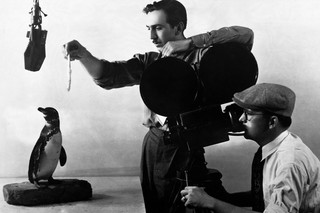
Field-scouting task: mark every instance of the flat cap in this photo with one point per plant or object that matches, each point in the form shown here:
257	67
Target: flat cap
274	98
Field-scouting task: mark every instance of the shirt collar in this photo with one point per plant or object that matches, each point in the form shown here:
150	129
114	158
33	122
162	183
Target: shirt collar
272	146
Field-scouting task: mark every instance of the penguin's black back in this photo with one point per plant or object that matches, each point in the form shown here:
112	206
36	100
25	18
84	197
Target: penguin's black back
36	152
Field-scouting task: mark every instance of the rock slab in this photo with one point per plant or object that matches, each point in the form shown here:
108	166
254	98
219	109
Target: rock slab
62	191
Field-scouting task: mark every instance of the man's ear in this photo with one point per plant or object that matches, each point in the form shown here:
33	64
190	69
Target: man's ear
180	28
273	122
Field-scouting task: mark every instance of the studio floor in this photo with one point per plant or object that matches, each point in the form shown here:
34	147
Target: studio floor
109	194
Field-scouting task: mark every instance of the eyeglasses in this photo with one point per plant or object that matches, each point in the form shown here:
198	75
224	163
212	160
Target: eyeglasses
248	114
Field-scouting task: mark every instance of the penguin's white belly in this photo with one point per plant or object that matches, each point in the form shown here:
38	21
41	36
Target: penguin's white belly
49	157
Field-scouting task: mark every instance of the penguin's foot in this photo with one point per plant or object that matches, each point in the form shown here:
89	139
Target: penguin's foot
45	184
38	185
52	181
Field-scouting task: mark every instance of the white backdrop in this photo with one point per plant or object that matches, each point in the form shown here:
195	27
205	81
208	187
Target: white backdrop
102	130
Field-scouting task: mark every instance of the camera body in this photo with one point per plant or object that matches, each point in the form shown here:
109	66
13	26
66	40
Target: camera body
204	126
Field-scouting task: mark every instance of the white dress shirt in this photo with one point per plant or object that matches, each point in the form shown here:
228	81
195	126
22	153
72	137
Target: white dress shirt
291	176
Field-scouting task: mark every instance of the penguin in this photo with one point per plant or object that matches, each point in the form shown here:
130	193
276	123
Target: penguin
48	150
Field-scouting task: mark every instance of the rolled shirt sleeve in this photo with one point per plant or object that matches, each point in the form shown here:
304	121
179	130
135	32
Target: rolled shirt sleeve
119	74
287	190
236	34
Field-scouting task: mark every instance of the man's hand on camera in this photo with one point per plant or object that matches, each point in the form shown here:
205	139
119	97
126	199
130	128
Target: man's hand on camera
172	47
193	196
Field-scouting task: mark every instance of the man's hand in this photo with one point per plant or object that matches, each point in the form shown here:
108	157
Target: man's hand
172	47
75	50
194	196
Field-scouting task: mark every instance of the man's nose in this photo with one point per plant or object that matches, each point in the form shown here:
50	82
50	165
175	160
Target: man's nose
153	34
242	118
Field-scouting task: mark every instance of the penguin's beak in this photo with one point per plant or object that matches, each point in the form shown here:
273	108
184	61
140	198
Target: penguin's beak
41	109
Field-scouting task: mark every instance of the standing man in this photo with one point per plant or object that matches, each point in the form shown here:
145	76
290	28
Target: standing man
166	22
285	172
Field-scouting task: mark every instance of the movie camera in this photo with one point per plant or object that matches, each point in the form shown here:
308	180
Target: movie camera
197	98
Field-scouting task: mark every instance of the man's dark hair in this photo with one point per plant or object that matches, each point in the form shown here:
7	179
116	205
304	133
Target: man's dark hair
174	10
284	121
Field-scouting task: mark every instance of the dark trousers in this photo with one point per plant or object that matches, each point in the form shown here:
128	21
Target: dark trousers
162	172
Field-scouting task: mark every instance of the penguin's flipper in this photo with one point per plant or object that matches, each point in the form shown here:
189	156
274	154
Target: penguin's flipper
63	156
35	158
